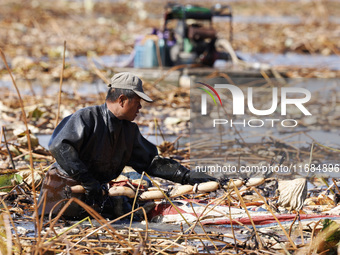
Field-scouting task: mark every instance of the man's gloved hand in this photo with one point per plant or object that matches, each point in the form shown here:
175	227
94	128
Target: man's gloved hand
193	177
172	170
93	192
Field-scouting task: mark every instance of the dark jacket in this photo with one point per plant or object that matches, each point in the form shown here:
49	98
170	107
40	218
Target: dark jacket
94	143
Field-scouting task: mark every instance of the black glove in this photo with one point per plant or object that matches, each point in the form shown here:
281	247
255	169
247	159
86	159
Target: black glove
168	169
171	170
193	177
93	192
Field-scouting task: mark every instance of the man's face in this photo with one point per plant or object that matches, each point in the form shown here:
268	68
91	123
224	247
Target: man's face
131	108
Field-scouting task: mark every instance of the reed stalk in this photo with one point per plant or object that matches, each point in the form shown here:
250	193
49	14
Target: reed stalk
28	139
21	106
115	235
168	199
60	85
134	203
271	211
13	226
199	222
251	220
3	133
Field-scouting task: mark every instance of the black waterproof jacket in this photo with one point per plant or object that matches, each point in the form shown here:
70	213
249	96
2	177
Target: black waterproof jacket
92	142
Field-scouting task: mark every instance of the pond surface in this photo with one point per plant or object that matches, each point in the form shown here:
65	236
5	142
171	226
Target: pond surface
331	62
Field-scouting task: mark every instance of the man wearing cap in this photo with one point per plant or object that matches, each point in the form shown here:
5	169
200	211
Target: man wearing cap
93	145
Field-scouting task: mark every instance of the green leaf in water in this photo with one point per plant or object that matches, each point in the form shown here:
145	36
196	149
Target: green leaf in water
18	178
36	114
6	180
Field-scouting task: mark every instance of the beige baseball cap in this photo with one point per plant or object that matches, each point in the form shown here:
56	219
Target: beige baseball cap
126	80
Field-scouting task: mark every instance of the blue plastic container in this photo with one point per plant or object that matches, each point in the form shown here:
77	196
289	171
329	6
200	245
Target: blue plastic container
145	55
150	55
139	56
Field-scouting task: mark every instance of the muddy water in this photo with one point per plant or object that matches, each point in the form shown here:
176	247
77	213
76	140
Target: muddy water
331	62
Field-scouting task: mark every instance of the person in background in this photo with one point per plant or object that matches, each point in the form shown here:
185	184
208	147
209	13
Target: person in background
92	147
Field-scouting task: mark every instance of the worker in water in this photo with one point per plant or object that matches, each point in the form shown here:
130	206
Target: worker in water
93	145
